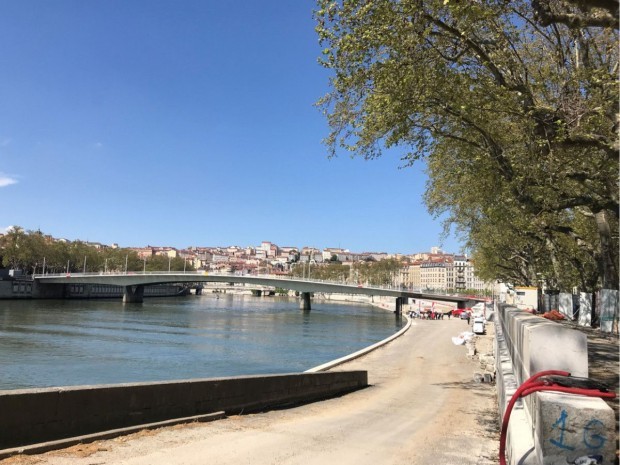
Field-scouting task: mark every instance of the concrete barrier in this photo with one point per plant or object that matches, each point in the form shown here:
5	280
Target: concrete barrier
34	415
548	428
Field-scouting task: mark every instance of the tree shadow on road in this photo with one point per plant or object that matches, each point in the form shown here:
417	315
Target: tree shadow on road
479	389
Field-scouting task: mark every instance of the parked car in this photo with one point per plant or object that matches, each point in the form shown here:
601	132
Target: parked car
478	326
465	315
460	311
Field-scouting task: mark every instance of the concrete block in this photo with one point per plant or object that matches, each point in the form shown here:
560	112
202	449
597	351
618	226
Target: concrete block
566	304
585	309
569	427
520	448
608	305
536	344
552	346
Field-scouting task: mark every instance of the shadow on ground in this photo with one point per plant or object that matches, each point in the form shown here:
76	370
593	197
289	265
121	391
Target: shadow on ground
479	389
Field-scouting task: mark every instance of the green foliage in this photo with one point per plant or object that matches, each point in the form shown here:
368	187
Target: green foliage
378	273
27	250
330	271
516	120
372	272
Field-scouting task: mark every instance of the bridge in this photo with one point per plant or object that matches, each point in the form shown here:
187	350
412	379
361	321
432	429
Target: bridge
134	283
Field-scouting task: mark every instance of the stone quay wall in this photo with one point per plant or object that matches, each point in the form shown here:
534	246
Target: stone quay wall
548	428
36	415
29	289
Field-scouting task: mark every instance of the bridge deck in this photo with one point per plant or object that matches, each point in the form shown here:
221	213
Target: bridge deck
300	285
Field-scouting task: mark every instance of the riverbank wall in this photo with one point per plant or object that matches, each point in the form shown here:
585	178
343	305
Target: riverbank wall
19	289
36	415
548	428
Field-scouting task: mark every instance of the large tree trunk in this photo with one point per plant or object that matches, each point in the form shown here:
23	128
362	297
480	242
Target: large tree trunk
608	255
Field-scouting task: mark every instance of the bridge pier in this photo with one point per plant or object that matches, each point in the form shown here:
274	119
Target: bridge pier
398	309
304	304
133	294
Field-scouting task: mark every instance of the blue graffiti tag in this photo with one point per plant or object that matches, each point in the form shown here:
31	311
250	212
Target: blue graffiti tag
561	421
598	438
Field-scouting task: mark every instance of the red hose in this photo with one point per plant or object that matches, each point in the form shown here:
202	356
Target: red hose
534	384
516	396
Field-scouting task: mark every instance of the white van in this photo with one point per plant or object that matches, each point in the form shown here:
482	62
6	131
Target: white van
478	326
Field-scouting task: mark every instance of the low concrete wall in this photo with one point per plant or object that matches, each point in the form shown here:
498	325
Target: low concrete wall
548	428
34	415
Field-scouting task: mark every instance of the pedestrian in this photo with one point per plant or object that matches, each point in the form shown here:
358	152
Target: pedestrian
468	316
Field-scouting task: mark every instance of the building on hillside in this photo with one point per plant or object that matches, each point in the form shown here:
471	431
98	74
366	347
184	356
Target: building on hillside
186	253
458	281
378	256
433	275
419	257
143	252
96	245
271	250
289	250
219	258
310	254
311	258
169	252
410	276
342	255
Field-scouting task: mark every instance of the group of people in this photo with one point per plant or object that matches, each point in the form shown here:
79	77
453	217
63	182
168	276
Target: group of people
429	314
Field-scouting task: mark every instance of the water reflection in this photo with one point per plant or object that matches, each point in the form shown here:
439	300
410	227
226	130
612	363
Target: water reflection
55	343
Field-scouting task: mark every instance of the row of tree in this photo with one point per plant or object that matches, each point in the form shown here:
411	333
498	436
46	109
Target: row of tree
513	105
376	273
30	251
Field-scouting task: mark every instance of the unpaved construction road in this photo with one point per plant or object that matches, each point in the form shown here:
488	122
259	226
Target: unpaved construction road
422	407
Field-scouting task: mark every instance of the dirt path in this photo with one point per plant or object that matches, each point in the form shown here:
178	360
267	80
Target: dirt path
423	407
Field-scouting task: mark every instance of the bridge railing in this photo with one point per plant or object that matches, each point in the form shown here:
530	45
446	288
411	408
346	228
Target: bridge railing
203	273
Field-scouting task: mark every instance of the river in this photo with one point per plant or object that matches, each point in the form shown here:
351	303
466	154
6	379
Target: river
47	343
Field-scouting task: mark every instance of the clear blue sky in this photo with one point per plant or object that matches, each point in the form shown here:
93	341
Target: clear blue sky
186	123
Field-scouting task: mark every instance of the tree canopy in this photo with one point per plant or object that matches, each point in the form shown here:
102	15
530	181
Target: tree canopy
513	106
376	273
30	251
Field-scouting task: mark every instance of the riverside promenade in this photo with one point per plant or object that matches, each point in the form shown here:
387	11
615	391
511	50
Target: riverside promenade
422	407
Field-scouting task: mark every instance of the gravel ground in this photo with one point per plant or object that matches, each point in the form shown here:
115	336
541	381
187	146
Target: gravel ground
422	407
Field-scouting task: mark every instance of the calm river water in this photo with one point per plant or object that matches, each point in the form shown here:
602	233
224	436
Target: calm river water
58	343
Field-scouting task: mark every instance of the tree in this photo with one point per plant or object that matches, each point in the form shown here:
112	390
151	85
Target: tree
577	13
12	247
515	114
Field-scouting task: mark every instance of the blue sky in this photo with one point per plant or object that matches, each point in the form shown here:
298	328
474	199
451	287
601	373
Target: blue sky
186	123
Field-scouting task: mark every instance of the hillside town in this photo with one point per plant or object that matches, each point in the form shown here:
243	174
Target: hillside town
436	269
